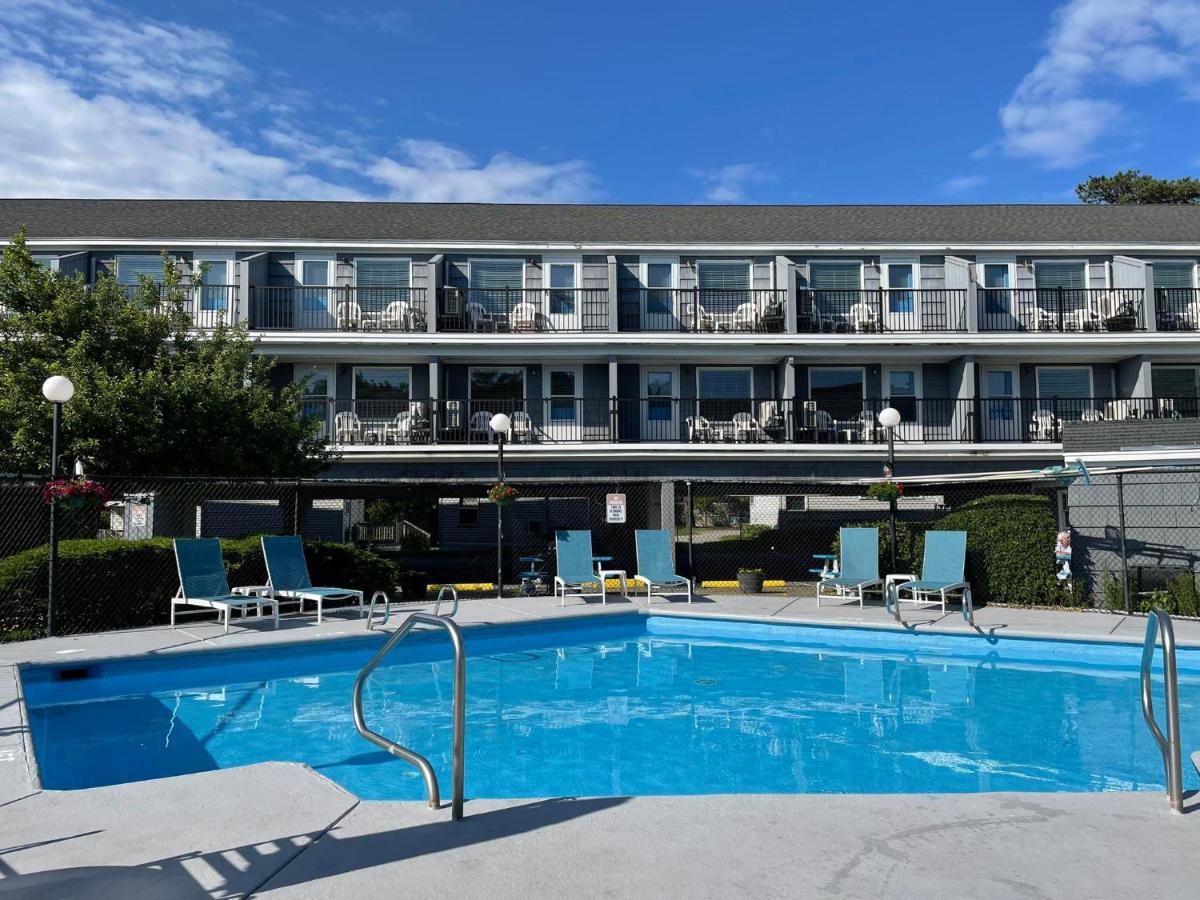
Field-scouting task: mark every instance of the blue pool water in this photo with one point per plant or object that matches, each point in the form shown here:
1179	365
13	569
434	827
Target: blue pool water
630	705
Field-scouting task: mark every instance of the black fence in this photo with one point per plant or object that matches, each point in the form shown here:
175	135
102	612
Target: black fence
523	309
1177	309
886	310
329	308
1060	309
757	310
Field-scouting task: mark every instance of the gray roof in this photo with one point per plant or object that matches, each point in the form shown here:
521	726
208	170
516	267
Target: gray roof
530	223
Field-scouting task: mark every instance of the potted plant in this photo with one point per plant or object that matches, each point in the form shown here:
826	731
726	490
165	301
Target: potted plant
886	491
750	581
75	493
502	494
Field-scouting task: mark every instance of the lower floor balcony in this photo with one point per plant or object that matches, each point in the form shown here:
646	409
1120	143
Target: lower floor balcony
730	421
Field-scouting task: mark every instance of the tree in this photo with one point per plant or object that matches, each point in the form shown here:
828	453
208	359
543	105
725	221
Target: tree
152	397
1134	187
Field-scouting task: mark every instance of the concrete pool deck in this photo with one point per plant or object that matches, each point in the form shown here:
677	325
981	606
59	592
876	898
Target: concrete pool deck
281	830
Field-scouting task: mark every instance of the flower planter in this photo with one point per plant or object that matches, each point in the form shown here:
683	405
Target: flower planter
750	582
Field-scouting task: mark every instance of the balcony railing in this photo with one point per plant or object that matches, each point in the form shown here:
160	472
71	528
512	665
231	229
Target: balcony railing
887	310
756	310
1060	309
326	308
1177	309
567	420
523	310
207	304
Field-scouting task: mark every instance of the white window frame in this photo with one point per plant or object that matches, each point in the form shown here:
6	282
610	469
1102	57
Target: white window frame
487	259
301	258
1076	261
749	263
300	372
645	368
1037	380
215	256
885	264
354	378
918	381
747	369
392	259
673	261
1010	261
569	367
816	263
521	369
1191	262
862	370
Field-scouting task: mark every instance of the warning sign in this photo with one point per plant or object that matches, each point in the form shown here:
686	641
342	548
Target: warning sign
614	507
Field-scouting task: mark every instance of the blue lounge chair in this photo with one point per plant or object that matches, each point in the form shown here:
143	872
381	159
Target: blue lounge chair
941	570
573	552
654	564
287	575
859	569
202	582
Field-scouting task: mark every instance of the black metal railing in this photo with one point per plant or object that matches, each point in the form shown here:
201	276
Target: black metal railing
755	310
1060	309
881	310
208	305
728	421
510	310
1177	309
327	308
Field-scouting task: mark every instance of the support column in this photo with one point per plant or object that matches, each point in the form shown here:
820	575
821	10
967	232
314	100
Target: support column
614	408
785	278
1150	304
435	294
435	393
613	299
965	413
1135	377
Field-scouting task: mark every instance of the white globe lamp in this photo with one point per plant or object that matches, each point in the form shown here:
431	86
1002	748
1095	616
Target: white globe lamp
58	389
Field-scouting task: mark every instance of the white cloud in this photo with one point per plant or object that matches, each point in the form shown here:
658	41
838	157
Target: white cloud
729	184
96	102
1063	108
961	184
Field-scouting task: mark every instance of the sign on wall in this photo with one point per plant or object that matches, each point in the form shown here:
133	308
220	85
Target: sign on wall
614	509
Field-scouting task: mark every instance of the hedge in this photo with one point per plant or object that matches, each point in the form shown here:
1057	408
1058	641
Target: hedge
111	584
1010	549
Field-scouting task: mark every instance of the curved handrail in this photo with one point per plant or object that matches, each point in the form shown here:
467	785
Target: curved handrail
437	606
460	715
387	609
1158	621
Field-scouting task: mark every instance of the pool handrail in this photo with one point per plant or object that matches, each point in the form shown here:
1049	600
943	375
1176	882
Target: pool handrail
1159	622
460	712
387	605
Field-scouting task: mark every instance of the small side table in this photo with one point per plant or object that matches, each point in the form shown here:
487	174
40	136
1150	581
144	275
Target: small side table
262	591
603	573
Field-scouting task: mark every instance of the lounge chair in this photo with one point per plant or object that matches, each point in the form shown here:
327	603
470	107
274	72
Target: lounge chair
859	569
654	563
573	554
202	582
287	575
941	570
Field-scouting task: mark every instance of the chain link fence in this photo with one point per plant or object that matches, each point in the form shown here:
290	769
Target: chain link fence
117	570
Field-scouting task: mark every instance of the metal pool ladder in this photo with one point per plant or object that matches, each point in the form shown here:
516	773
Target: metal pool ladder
460	711
1159	622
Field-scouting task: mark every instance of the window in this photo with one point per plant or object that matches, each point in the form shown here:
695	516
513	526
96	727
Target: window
1066	275
45	261
382	383
1173	275
381	281
839	276
901	279
995	288
562	284
660	391
724	276
562	384
1066	391
497	384
468	513
838	392
1181	386
659	281
131	268
723	384
902	392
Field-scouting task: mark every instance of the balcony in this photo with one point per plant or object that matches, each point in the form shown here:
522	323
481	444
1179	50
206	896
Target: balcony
757	310
658	420
208	305
327	308
1060	309
523	310
1177	309
883	310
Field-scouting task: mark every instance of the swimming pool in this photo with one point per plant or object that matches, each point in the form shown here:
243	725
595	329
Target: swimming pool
629	705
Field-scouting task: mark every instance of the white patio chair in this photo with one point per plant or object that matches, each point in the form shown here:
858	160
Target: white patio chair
347	428
481	424
522	427
399	430
524	317
349	316
1165	407
1043	426
1091	415
863	317
745	428
696	317
397	316
478	318
745	317
1116	410
699	429
768	415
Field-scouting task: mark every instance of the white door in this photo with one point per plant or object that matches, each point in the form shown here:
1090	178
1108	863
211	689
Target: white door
1001	419
563	301
660	303
996	301
315	294
563	413
902	391
317	395
660	416
900	302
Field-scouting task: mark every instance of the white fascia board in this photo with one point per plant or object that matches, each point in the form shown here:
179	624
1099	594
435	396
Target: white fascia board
1148	457
613	247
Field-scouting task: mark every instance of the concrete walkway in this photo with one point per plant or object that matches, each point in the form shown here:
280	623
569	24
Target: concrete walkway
281	830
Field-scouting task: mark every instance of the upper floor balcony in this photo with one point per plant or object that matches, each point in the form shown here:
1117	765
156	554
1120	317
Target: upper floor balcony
1177	309
1060	309
333	308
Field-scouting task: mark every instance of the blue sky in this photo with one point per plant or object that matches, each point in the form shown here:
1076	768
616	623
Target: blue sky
848	102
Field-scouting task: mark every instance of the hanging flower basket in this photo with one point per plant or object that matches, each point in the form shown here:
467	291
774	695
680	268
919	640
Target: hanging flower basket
76	493
886	491
502	494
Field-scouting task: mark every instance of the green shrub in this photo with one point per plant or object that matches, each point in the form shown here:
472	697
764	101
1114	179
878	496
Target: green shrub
758	533
111	584
1111	595
1180	597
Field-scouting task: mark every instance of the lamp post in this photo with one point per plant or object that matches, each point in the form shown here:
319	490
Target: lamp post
889	418
58	390
500	424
